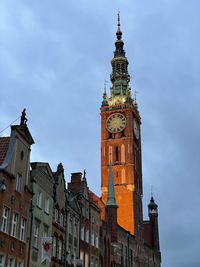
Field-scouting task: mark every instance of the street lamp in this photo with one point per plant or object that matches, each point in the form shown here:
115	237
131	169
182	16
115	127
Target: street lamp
2	185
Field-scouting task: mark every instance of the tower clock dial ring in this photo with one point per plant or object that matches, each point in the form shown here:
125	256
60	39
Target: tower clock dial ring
116	123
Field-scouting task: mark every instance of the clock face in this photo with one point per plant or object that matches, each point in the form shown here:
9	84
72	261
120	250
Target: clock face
136	129
116	123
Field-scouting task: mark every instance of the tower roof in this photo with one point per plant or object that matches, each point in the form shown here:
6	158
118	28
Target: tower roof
111	191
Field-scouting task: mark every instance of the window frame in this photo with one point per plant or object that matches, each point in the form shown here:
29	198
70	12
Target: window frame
4	218
47	205
13	263
22	235
14	227
39	200
2	262
36	235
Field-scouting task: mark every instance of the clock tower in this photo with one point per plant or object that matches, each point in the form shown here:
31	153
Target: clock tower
121	143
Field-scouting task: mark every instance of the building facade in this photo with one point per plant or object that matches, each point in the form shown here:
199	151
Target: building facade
73	217
59	219
15	195
89	221
42	206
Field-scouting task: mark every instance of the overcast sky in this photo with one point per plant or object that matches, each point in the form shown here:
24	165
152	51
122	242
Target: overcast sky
54	58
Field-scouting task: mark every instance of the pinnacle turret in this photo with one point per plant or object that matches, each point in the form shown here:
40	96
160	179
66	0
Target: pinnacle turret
153	208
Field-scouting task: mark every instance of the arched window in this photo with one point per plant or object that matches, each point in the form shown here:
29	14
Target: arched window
122	153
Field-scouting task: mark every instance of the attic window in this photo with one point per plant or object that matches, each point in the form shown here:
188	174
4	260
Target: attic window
22	155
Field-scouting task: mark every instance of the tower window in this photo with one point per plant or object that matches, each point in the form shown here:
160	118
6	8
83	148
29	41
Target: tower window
116	153
122	153
118	67
123	68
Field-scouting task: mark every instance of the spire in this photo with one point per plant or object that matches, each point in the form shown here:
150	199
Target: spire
119	33
111	191
119	44
119	77
105	98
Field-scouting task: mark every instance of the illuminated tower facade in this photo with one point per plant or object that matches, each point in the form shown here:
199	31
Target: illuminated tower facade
121	143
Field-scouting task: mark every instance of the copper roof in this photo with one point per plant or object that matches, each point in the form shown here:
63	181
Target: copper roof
4	143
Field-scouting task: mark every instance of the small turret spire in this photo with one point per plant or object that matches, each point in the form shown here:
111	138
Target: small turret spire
105	98
111	191
153	208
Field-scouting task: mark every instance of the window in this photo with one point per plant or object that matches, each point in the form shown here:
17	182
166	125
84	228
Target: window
22	229
2	261
18	183
54	246
76	230
39	200
11	262
5	216
92	238
46	206
82	232
116	153
14	224
45	233
87	236
61	219
36	235
122	153
97	242
20	264
56	215
59	249
86	260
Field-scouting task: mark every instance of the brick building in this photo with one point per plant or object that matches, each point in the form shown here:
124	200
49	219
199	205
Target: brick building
59	219
15	195
90	220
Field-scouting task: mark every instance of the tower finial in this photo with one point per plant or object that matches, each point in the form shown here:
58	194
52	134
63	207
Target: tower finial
118	33
151	191
118	15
